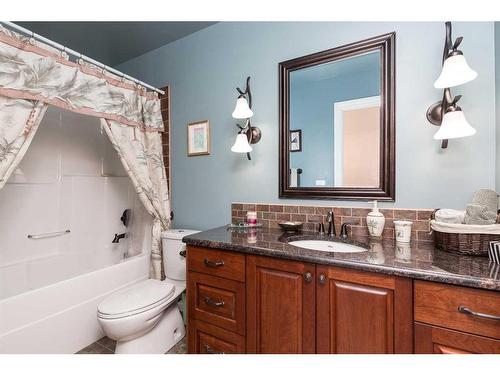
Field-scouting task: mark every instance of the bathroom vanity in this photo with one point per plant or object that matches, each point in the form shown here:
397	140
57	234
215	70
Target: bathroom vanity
271	297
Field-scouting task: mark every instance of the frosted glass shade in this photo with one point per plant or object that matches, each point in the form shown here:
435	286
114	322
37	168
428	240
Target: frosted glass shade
242	110
241	144
454	125
455	72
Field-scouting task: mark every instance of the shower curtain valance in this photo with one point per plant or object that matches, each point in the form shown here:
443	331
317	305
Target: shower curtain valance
35	71
34	75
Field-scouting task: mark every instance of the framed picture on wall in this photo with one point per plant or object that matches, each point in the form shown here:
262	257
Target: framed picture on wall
295	140
198	138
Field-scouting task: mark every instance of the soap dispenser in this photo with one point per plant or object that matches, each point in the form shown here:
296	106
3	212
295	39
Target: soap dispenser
375	221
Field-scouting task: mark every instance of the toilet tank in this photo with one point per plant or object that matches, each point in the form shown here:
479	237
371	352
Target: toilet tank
174	261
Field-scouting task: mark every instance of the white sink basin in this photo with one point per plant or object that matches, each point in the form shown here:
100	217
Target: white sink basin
329	246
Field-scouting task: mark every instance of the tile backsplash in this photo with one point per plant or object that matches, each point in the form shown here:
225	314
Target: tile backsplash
270	214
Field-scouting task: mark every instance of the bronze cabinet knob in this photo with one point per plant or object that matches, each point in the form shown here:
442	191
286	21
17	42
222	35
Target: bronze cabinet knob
308	277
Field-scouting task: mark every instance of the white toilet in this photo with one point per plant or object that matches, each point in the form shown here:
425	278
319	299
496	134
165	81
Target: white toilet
145	318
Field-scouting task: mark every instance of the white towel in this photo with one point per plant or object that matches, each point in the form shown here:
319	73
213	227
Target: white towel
450	216
486	197
479	215
293	177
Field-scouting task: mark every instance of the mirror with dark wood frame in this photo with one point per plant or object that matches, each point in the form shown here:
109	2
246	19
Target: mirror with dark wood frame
337	130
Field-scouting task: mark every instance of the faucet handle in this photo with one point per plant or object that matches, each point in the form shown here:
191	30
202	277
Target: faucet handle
329	216
321	228
343	230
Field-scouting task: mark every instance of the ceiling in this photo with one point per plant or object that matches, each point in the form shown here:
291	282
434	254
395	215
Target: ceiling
114	42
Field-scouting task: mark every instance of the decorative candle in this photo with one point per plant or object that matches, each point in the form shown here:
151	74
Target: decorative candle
251	218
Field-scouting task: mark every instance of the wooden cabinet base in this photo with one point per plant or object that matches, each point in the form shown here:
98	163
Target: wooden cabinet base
435	340
241	303
204	338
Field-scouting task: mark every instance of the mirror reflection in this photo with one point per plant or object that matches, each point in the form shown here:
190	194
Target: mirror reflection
334	123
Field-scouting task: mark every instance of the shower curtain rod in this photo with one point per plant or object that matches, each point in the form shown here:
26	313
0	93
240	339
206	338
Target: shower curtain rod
79	55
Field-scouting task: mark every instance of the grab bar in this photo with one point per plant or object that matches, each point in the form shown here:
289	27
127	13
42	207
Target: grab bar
45	235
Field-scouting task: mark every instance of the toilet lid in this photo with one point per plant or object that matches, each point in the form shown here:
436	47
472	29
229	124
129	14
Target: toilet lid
136	297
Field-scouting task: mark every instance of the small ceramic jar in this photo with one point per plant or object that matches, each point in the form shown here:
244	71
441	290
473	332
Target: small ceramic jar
402	230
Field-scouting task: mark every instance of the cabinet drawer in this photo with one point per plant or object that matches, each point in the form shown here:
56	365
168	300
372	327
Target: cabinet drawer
217	301
208	339
435	340
440	304
216	262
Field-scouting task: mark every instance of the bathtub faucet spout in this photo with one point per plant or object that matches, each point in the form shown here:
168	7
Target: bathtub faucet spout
118	237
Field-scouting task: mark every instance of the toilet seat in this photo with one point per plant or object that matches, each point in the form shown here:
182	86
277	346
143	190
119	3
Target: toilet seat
139	298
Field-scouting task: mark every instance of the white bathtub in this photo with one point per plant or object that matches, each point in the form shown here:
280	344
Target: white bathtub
61	317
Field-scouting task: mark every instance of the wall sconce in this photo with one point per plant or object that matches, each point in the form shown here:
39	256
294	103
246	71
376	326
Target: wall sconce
247	134
446	113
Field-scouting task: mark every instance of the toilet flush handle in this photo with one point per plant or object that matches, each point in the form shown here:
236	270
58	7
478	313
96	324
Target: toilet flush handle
182	253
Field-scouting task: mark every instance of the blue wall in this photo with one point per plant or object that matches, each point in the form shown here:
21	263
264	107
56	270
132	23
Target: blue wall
204	68
311	109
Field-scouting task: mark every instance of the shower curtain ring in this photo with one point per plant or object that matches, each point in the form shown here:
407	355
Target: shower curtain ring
64	55
32	38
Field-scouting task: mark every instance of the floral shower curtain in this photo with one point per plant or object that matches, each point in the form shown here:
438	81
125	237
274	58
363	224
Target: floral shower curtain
34	75
141	155
19	121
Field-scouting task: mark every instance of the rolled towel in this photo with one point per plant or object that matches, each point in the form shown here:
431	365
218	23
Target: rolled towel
450	216
294	177
487	198
479	215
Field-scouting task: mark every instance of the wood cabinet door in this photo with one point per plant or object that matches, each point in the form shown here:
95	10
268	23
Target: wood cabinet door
280	306
435	340
362	313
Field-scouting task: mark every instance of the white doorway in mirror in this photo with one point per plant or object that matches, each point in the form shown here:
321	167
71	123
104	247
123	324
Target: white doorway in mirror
356	136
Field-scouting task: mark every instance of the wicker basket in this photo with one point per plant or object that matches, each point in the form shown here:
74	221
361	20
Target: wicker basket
464	243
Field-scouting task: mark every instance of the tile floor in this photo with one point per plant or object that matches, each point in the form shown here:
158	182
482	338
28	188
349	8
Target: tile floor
107	346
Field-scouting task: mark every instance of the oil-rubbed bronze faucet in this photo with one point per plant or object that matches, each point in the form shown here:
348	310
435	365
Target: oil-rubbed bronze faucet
331	224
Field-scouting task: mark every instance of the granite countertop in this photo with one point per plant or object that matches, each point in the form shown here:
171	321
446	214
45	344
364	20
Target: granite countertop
418	260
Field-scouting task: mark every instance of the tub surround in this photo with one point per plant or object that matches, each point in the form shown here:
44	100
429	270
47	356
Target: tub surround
270	214
422	260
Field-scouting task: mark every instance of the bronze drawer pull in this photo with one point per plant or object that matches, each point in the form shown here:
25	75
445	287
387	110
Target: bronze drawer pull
209	301
209	350
217	263
467	311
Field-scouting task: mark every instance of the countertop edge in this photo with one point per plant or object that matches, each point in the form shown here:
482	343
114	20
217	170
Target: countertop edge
427	275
